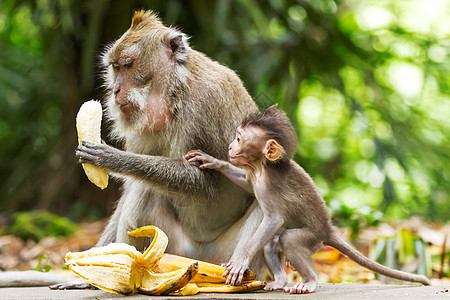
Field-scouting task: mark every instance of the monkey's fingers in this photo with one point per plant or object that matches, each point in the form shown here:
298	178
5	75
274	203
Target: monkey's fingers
88	148
299	288
236	274
227	269
89	152
196	158
92	146
241	275
84	157
193	153
231	279
92	153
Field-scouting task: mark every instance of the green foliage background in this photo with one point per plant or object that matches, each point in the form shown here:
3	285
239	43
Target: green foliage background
366	84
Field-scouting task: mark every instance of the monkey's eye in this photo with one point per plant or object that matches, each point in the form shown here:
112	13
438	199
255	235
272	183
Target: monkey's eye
238	139
128	64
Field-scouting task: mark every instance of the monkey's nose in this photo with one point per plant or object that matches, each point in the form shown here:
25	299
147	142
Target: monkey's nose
116	91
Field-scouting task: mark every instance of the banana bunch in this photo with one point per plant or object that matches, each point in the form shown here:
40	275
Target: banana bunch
119	268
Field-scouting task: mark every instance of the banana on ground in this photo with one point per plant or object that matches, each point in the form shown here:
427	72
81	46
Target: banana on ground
119	268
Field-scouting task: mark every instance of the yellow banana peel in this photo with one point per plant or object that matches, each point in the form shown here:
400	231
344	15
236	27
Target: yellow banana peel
245	286
119	268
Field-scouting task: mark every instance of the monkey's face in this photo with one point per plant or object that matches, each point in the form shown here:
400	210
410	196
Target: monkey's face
141	71
136	98
246	149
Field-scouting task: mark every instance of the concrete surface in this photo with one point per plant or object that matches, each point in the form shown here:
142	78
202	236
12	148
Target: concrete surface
342	291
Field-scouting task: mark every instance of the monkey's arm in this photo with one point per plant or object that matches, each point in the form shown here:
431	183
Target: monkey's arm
238	176
171	175
239	262
235	174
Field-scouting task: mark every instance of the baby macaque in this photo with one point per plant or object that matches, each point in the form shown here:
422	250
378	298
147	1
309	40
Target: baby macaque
294	211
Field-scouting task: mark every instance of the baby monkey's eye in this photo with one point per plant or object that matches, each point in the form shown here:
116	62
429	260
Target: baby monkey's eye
238	139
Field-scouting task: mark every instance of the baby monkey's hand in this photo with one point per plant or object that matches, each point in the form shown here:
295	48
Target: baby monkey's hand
208	162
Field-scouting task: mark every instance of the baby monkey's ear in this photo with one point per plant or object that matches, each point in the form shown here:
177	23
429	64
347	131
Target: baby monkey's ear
272	151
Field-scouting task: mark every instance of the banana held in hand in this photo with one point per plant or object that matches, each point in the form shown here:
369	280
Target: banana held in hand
88	123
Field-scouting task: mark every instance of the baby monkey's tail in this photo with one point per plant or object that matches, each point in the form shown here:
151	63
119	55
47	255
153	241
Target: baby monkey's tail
336	242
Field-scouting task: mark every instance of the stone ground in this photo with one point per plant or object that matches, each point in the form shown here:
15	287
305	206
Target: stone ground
324	291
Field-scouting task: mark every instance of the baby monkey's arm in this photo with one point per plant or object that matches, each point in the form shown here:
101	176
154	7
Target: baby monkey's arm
235	174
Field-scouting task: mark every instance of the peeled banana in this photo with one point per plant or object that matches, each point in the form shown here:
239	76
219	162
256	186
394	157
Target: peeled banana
88	123
119	268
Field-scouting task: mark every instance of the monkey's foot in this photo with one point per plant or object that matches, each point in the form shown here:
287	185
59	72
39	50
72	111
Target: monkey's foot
302	288
76	285
234	271
275	285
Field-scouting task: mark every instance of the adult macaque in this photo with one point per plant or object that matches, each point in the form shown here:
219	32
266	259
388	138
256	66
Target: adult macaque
291	203
164	99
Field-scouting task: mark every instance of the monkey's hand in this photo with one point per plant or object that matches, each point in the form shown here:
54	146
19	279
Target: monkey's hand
235	270
235	174
99	155
208	162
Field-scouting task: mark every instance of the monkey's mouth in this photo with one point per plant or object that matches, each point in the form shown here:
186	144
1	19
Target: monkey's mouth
126	108
234	157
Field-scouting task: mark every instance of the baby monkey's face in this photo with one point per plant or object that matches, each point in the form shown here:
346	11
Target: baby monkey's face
246	150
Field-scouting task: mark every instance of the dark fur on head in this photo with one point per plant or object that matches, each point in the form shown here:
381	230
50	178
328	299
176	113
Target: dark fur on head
277	126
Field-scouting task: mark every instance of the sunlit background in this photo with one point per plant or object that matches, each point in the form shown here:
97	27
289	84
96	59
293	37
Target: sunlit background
366	84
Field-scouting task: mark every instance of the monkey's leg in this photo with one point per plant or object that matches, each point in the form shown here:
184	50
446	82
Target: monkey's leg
299	245
272	257
109	234
233	240
239	263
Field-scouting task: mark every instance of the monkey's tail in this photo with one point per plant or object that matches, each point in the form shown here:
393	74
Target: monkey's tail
336	242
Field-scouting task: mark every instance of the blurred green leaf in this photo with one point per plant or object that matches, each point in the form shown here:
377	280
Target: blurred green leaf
37	225
38	267
405	251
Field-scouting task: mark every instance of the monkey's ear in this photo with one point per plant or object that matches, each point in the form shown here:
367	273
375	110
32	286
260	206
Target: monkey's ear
272	151
177	47
273	107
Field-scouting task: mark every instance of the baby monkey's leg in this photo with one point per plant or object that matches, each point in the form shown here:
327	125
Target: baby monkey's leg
299	245
272	256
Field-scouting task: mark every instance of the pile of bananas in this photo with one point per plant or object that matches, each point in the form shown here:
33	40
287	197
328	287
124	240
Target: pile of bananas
119	268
